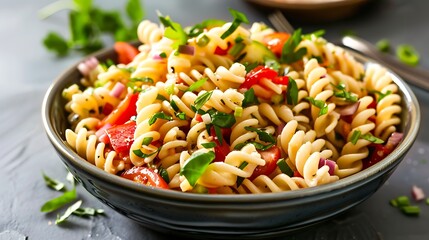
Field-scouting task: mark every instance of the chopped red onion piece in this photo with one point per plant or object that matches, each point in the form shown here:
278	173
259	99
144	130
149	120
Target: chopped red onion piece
417	193
92	63
117	90
83	68
394	140
185	49
331	164
156	57
280	128
349	110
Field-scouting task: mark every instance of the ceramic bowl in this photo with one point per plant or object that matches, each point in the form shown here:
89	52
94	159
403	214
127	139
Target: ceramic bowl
223	216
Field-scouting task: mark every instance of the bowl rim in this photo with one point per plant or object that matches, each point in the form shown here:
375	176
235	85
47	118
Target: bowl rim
356	179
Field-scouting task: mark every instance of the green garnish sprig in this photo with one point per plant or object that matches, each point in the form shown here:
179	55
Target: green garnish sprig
66	198
289	52
87	24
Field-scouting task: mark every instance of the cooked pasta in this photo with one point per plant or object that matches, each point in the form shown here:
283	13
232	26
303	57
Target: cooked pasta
217	108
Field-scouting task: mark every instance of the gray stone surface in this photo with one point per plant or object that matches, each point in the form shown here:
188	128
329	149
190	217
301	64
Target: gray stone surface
27	69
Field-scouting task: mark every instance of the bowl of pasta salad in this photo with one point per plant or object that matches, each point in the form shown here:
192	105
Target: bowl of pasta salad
229	128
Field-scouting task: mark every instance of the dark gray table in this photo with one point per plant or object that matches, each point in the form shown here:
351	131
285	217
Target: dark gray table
27	69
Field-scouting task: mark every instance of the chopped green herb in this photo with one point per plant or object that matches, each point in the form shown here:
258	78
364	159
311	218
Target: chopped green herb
197	84
249	98
199	28
250	66
317	34
141	154
174	106
383	45
218	133
163	55
196	165
238	111
209	145
142	79
238	19
319	104
134	11
342	93
159	115
381	95
146	141
84	212
161	97
407	54
411	210
241	179
181	116
202	99
58	202
54	184
68	212
203	41
264	136
257	145
371	138
222	119
355	137
284	167
292	92
289	53
164	174
236	49
173	31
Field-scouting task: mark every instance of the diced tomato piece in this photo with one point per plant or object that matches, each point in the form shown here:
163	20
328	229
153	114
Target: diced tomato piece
270	156
221	51
198	117
275	42
297	174
373	104
122	114
378	153
221	150
121	137
104	138
256	74
126	52
283	80
146	176
107	109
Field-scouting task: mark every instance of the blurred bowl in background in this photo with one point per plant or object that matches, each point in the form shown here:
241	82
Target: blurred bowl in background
314	10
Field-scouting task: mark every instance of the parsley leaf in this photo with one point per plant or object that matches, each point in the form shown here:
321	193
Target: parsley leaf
202	99
264	136
173	31
134	11
249	98
292	92
319	104
196	165
239	18
56	43
289	53
342	93
159	115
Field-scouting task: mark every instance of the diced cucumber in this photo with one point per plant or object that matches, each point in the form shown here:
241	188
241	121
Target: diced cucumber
257	52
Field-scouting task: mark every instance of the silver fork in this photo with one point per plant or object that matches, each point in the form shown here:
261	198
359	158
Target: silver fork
416	76
280	22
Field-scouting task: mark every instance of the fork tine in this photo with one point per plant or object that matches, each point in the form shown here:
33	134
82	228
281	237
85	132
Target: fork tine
280	22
